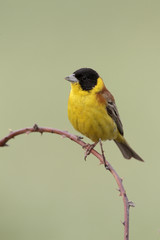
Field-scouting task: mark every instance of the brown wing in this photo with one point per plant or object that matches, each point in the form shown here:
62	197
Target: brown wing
111	108
113	112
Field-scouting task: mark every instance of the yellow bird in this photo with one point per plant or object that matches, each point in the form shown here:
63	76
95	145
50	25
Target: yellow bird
93	112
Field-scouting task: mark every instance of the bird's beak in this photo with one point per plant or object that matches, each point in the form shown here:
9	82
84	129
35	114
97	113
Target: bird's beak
71	78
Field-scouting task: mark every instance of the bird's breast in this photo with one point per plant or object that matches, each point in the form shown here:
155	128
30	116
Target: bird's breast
89	117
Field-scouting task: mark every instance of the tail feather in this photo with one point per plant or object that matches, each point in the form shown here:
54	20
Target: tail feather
127	151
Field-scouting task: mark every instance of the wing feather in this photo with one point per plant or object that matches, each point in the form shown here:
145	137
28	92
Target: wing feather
114	114
111	108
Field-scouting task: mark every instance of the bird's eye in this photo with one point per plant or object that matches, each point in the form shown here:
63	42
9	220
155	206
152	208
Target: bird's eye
84	78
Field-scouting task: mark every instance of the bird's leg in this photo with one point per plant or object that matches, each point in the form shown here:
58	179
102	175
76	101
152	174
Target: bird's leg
103	156
88	147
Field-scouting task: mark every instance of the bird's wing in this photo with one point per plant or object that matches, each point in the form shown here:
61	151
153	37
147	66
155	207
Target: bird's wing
113	113
112	109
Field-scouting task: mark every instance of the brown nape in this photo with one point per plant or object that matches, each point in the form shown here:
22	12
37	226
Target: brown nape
104	96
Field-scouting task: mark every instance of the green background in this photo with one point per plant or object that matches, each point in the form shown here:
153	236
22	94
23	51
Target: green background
47	190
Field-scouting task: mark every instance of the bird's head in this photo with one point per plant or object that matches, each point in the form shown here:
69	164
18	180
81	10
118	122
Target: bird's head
87	78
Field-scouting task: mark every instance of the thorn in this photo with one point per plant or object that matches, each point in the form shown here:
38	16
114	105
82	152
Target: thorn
123	223
10	130
120	194
131	204
63	136
79	137
28	132
107	167
36	128
101	163
125	193
5	145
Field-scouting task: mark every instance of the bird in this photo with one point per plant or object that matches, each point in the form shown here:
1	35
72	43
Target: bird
93	112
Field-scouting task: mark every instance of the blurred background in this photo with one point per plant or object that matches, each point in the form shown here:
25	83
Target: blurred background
47	190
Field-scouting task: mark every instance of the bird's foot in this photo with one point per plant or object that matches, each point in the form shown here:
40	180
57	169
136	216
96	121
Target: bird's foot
88	147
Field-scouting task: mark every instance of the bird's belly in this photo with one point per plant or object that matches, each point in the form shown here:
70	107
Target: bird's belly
92	121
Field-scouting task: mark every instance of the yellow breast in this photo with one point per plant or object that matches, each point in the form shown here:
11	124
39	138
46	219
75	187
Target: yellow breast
88	115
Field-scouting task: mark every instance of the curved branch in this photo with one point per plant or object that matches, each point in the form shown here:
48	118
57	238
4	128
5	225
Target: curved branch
36	128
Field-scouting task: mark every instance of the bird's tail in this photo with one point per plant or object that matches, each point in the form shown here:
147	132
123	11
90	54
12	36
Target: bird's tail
127	151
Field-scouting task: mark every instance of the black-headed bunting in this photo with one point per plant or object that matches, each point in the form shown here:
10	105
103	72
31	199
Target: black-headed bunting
92	110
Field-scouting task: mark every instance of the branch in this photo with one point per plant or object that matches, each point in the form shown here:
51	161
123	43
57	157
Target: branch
102	159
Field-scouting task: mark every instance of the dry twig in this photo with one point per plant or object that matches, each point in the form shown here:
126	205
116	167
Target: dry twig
102	159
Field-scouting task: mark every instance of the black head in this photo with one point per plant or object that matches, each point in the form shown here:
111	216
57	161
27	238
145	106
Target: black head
87	78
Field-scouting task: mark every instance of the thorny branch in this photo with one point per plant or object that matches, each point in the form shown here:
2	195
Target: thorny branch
101	157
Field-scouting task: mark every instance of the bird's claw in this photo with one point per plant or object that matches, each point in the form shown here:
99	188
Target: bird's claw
88	147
